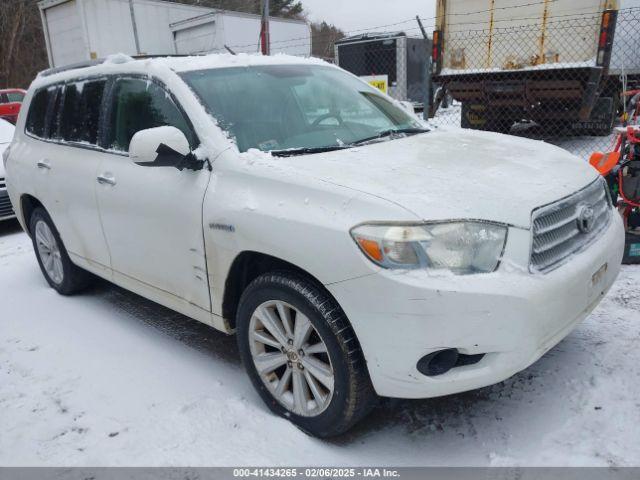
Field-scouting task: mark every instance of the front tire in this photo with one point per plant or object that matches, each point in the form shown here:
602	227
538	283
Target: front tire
302	354
56	266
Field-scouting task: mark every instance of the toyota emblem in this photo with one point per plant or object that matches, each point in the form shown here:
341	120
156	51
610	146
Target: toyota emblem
586	219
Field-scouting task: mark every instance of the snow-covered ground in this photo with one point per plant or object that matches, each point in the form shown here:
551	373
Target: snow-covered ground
107	378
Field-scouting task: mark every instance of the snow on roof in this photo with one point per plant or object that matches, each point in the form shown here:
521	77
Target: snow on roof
227	60
120	63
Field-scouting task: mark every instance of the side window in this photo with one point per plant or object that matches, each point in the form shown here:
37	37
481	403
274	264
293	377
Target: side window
36	119
139	104
53	117
15	97
3	98
81	111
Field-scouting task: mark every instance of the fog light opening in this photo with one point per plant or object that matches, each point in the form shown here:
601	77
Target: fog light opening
438	363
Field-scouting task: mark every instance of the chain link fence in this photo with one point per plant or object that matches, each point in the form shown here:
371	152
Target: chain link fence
567	81
393	62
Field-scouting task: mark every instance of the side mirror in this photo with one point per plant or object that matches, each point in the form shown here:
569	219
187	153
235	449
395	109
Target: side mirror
163	147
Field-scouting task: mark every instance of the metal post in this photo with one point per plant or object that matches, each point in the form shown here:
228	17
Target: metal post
135	27
265	38
427	97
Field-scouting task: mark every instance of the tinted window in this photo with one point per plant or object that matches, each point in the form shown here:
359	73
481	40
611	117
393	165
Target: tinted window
53	116
140	104
3	98
81	111
36	120
15	97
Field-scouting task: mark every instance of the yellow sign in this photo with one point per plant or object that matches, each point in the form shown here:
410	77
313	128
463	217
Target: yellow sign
381	82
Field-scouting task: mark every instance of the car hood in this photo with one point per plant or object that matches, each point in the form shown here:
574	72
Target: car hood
456	174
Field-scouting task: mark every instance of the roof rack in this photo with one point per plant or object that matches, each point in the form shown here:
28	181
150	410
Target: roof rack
99	61
165	55
72	66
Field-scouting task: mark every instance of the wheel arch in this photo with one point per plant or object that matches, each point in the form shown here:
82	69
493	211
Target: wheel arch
245	268
28	203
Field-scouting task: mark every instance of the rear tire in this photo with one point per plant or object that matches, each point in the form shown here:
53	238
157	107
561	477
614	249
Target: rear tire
328	363
56	266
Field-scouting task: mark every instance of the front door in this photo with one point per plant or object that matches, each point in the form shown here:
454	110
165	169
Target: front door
152	217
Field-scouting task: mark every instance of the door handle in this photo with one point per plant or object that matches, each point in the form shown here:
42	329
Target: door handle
44	164
106	179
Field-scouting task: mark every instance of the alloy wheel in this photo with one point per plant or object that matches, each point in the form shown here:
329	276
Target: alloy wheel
49	252
291	358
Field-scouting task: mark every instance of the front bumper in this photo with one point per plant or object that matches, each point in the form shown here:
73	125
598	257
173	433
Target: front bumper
511	316
6	209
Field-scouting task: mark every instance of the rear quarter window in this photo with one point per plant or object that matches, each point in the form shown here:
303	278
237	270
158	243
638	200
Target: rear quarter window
37	116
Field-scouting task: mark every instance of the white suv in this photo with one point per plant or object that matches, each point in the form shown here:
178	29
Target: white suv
354	250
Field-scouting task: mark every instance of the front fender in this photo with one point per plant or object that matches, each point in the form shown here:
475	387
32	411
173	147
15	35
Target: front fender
262	208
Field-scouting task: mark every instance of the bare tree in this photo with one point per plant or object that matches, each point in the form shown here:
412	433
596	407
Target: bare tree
324	37
22	48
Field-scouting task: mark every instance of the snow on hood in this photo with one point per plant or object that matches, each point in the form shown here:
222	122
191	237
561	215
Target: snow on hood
6	135
451	173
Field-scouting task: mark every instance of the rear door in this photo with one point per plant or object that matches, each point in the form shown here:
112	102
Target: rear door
69	166
152	217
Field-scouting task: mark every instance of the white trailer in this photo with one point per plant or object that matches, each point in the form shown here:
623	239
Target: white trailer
522	35
241	33
81	30
548	60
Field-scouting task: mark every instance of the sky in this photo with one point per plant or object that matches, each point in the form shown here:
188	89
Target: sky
352	15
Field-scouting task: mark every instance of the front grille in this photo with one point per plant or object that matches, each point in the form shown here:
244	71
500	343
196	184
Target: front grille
564	228
6	210
3	183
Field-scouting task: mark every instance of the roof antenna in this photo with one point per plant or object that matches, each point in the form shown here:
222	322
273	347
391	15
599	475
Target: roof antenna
230	51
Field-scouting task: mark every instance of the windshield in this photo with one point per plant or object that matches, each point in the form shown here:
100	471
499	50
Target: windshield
290	107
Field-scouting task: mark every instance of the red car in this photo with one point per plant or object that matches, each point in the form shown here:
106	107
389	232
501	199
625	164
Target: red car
10	102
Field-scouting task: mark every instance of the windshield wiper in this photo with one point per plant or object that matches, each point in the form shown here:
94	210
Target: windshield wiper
391	133
291	152
306	150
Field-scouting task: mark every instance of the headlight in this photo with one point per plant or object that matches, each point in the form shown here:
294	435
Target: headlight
460	247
